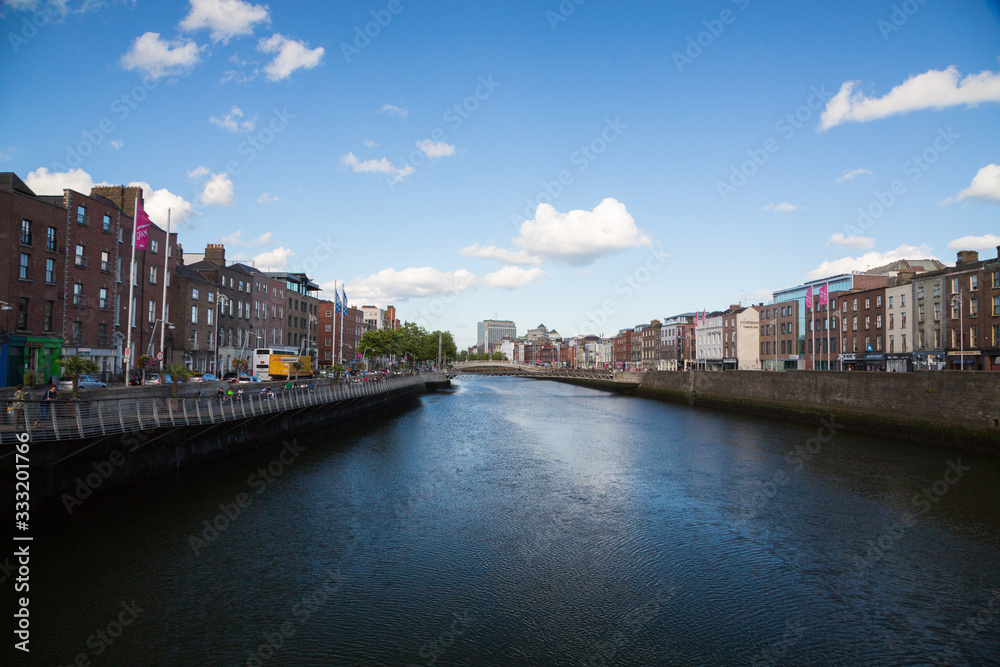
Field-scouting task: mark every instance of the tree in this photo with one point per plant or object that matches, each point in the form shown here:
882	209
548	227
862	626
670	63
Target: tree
178	373
75	367
145	361
297	366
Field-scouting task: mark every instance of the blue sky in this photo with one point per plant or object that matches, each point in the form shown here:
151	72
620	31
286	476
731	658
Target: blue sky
687	155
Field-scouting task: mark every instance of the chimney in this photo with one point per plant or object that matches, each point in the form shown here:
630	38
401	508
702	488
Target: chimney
215	253
967	257
180	255
998	252
904	277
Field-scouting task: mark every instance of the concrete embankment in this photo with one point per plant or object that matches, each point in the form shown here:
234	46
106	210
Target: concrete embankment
67	472
951	408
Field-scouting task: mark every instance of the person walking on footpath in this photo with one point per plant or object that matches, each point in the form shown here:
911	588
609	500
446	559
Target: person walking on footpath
18	406
47	398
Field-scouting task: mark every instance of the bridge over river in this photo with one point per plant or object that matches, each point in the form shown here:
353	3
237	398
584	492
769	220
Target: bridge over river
510	368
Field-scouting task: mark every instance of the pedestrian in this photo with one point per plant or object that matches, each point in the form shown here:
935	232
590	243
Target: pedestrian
47	397
18	406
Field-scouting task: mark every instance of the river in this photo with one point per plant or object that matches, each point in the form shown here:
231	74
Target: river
521	522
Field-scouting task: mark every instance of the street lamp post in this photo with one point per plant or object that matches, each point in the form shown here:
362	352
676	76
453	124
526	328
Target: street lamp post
957	299
221	301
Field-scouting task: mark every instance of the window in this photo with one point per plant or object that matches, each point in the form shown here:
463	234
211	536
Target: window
973	307
902	341
996	306
973	336
878	343
891	324
902	301
954	310
240	288
26	232
878	321
194	338
855	305
78	297
954	337
937	312
878	301
974	282
152	312
77	332
154	246
937	290
892	343
937	338
868	303
102	299
106	223
194	293
903	320
890	302
50	239
105	263
25	258
920	292
920	313
996	278
22	314
81	257
81	215
996	334
211	297
152	275
194	314
208	316
328	313
954	285
922	339
47	319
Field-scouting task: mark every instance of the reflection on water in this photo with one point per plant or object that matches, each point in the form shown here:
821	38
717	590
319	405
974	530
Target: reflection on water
517	522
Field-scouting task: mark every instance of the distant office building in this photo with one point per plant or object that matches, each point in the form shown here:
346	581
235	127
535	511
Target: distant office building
493	331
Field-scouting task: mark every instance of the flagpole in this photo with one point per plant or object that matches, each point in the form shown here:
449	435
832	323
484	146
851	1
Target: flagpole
163	309
343	311
131	286
829	350
336	299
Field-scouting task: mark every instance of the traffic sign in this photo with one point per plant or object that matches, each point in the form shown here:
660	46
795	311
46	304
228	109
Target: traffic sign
159	355
127	350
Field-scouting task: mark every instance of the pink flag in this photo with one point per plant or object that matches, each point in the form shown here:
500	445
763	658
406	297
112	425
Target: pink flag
824	292
809	297
142	223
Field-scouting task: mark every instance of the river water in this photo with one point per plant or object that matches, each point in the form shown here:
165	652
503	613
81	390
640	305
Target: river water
520	522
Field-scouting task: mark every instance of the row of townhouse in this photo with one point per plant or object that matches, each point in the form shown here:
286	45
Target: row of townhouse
66	292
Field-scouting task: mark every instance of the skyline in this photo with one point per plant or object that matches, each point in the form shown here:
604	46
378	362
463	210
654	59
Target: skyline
527	161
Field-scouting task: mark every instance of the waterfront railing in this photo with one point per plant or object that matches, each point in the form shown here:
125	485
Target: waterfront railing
66	420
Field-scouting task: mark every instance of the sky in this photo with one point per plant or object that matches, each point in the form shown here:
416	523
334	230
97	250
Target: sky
588	165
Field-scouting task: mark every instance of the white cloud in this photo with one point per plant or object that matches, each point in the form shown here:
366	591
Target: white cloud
856	242
854	173
236	239
45	182
117	144
370	144
218	189
231	121
985	187
783	207
391	285
579	237
265	198
934	89
158	202
985	242
291	55
512	277
393	110
158	58
869	260
500	254
435	150
380	166
273	260
225	18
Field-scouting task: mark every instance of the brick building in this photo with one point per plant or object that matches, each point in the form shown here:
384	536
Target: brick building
972	296
779	335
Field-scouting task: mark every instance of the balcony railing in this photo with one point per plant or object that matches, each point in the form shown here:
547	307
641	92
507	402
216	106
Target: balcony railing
83	219
80	300
105	267
80	261
103	304
77	338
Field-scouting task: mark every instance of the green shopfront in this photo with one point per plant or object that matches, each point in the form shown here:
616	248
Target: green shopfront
29	360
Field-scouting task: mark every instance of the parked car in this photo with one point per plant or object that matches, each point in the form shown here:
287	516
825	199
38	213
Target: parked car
205	377
248	379
86	382
158	378
230	376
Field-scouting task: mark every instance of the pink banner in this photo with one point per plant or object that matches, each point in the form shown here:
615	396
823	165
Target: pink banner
824	292
809	297
142	224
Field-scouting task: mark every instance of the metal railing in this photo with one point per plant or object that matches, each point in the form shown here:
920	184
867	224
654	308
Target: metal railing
66	420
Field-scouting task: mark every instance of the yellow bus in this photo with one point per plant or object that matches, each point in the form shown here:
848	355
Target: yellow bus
277	364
